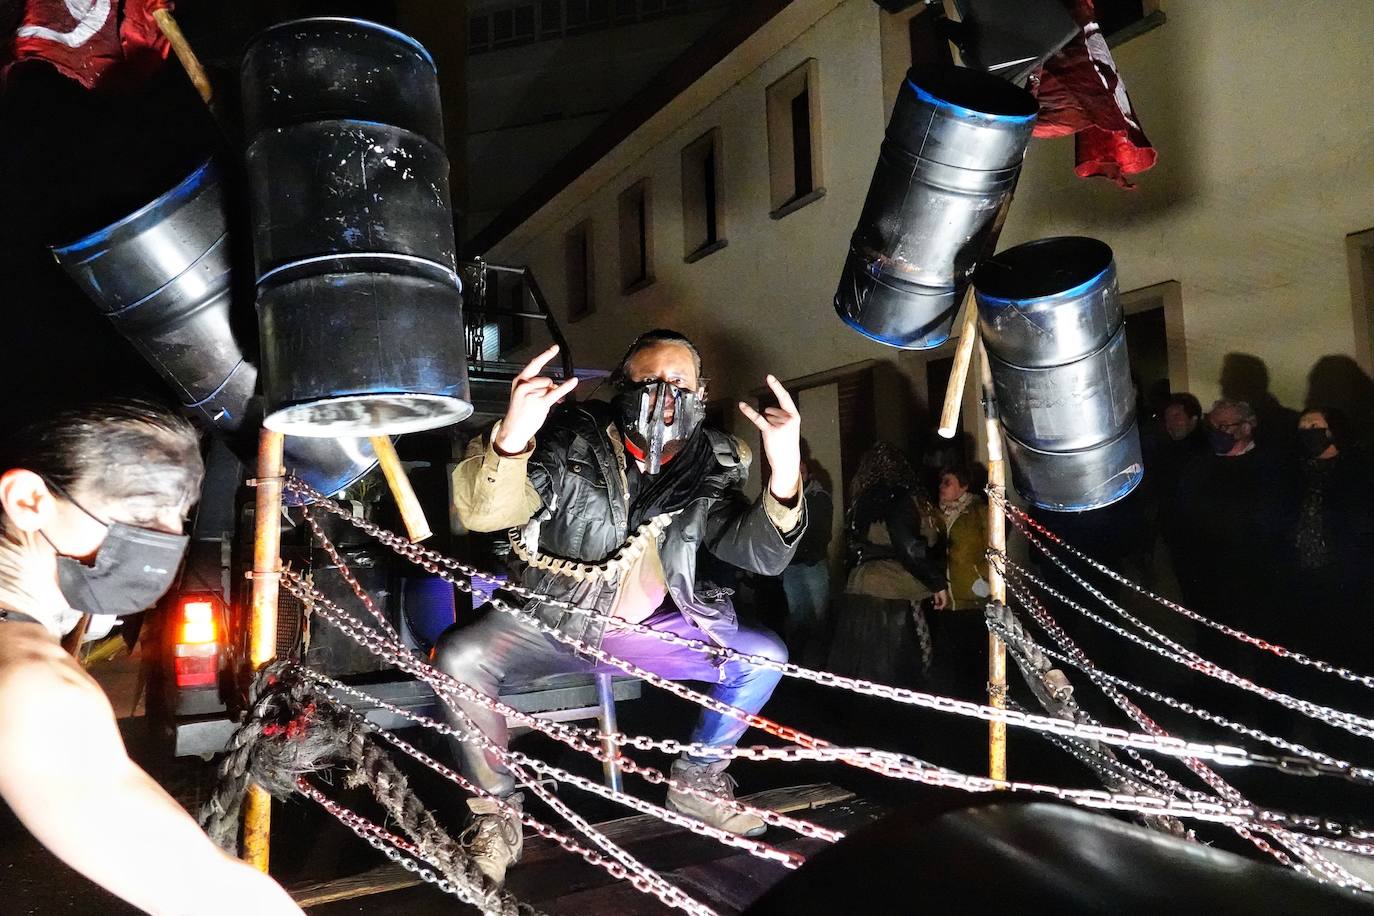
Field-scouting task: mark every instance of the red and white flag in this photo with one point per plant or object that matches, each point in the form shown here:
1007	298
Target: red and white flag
98	43
1080	92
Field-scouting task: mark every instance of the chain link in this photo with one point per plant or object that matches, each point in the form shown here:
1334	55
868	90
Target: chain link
1177	653
1214	781
906	767
1235	814
1306	761
442	566
1023	521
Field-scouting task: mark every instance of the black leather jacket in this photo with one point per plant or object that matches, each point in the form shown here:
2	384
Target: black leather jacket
585	516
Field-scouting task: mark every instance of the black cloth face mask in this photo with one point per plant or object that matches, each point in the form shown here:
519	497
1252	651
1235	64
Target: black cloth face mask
133	568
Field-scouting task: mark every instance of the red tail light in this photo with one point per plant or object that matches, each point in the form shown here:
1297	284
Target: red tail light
197	647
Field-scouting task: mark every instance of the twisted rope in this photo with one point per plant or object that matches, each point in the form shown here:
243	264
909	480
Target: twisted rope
294	729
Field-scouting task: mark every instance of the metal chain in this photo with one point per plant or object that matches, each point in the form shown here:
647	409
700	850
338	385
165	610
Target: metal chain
396	654
906	767
385	842
1210	777
433	561
1302	763
439	565
649	774
1022	521
1179	654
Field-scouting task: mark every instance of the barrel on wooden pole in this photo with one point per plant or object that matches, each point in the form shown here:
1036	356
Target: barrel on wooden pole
1054	329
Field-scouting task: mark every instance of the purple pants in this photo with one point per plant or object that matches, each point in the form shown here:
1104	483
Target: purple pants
499	651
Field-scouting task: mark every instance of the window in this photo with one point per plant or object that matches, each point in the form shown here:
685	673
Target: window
550	18
578	262
794	153
701	212
1155	337
513	335
479	34
636	239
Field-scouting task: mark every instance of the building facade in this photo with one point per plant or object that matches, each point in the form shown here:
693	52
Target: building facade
727	213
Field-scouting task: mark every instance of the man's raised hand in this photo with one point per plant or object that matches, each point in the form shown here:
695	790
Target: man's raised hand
780	429
532	396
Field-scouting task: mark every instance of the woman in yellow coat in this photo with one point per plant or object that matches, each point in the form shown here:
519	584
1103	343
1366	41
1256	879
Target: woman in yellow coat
958	632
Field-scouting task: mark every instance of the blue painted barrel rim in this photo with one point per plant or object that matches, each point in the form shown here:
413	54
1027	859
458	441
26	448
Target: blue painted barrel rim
1078	290
183	191
964	111
349	20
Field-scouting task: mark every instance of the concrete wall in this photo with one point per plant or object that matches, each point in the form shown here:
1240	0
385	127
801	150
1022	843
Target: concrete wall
1260	111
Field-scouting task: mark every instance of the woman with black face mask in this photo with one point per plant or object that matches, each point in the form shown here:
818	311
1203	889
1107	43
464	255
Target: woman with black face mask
1331	543
92	504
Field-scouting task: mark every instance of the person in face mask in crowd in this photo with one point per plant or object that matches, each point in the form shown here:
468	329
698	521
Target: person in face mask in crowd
611	502
93	504
1234	510
1331	543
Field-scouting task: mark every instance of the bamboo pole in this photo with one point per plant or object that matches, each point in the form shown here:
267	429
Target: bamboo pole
958	375
417	527
997	586
182	48
262	634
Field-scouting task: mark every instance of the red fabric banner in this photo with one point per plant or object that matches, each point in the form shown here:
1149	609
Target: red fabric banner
98	43
1080	92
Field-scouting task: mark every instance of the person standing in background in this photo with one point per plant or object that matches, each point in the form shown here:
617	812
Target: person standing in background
807	579
958	632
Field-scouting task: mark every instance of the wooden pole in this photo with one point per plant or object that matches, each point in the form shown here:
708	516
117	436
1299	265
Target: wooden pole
182	49
997	586
262	634
958	375
417	527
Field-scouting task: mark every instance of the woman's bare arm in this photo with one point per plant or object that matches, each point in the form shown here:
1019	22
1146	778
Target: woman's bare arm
69	779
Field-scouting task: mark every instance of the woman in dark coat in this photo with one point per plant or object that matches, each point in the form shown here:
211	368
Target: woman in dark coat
881	631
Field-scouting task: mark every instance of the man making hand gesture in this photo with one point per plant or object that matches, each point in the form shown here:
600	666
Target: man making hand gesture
623	493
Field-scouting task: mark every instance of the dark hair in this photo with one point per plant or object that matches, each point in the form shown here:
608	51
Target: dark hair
653	338
960	473
124	450
884	464
1190	404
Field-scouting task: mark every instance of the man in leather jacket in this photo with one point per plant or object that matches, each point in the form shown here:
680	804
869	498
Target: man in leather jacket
613	502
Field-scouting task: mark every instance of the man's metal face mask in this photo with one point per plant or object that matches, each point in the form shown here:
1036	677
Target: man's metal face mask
657	419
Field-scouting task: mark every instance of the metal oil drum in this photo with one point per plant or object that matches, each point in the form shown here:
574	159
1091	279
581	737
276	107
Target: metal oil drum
359	300
950	159
1055	335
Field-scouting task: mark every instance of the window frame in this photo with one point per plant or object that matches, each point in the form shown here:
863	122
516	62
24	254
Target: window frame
636	218
779	96
699	244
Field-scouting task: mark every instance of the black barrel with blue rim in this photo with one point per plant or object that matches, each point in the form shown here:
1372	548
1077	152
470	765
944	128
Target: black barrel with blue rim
950	160
163	277
359	300
1055	334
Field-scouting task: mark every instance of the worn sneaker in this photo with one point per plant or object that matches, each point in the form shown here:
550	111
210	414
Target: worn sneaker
713	779
493	838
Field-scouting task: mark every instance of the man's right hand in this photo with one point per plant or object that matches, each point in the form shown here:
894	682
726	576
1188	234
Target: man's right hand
532	396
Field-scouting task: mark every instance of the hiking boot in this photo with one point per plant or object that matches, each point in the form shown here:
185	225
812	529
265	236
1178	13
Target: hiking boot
493	838
711	778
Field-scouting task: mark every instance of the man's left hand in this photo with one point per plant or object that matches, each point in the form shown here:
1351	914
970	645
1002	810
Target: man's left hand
780	428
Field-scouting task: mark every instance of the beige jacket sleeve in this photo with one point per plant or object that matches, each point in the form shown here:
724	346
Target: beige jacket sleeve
492	492
784	518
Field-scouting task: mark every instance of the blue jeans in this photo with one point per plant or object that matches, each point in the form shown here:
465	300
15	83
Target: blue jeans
498	650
